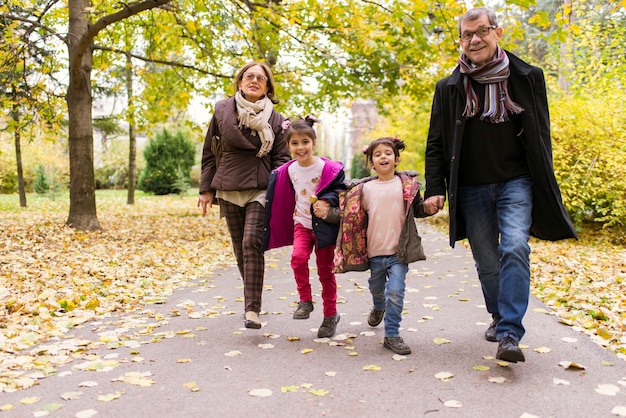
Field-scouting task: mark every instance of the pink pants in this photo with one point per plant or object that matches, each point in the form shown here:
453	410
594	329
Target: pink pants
303	243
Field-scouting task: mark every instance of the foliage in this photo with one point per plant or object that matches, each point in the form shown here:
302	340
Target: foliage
589	150
40	184
407	119
359	167
54	278
165	155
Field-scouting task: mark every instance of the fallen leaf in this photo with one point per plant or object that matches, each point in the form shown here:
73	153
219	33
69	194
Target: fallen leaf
331	374
398	357
71	395
266	346
86	413
607	389
286	389
497	379
444	376
481	368
192	386
306	351
560	381
319	392
371	367
542	350
260	393
571	365
110	396
29	401
453	404
439	341
619	411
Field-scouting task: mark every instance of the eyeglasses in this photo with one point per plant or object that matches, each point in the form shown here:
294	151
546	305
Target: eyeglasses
481	32
260	78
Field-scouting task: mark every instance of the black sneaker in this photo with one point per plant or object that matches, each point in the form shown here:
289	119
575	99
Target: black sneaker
303	311
375	317
328	327
490	334
508	350
397	345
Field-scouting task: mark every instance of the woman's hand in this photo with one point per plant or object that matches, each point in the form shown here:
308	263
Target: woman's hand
205	199
321	208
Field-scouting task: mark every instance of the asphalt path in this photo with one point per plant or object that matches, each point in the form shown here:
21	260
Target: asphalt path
191	357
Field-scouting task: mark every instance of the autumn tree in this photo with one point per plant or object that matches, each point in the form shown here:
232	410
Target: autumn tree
29	96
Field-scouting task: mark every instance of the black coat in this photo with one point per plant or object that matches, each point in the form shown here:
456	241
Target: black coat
550	220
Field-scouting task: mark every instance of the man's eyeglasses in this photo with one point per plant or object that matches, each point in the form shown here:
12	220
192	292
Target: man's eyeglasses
260	78
481	32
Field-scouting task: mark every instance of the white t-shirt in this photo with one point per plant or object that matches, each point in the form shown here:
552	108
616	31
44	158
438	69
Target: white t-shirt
384	204
305	181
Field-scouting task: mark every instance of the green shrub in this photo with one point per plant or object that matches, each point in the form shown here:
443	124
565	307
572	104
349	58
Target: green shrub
165	155
589	150
359	168
40	184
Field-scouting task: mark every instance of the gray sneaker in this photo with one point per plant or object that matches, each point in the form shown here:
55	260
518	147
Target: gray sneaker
397	345
304	310
328	327
375	317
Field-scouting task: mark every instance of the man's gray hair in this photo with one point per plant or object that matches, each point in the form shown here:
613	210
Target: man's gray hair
476	13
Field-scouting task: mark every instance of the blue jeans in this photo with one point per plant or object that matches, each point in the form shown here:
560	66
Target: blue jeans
498	219
387	284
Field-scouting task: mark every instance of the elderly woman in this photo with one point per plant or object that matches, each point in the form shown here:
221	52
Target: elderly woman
243	145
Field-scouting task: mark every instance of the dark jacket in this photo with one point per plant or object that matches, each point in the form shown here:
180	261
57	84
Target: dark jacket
550	220
278	227
239	167
351	250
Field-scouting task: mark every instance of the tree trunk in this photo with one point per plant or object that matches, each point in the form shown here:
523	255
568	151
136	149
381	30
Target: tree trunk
132	135
82	214
18	151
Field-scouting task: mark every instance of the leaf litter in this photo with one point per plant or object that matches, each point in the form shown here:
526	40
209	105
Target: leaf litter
55	278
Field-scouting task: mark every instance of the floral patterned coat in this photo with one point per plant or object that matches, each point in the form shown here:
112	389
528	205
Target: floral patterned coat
351	248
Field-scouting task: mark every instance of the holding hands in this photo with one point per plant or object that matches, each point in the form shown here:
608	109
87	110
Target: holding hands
433	204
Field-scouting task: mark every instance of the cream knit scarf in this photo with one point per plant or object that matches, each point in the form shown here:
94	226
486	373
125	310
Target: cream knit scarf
255	115
495	75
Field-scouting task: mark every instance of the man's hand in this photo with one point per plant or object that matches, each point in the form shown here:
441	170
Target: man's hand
434	204
205	199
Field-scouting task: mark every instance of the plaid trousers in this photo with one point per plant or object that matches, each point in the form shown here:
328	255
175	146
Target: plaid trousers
245	225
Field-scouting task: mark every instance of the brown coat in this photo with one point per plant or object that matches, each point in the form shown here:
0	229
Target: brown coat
239	167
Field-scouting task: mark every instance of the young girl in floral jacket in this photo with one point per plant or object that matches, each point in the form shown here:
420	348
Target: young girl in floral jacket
377	231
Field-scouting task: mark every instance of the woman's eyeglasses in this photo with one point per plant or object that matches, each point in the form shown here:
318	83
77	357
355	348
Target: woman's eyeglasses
260	78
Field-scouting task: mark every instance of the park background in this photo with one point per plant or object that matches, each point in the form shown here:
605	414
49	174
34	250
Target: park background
89	87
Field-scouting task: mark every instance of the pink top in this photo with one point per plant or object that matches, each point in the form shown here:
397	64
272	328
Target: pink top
384	203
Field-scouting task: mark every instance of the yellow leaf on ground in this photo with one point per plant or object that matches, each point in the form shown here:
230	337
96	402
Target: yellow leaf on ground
319	392
371	367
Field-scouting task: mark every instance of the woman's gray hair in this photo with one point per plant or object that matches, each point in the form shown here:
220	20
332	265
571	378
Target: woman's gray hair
476	13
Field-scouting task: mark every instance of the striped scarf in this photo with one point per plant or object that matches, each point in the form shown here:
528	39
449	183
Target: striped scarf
495	75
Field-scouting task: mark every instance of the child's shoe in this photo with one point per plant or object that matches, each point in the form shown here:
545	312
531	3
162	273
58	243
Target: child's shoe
375	317
397	345
304	310
328	327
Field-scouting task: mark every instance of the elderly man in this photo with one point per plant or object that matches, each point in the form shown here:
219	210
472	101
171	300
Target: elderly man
489	148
